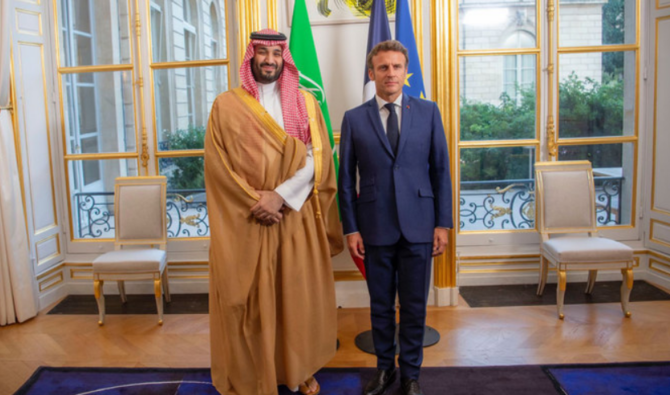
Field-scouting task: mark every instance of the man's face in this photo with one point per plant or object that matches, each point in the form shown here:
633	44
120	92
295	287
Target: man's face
389	70
267	63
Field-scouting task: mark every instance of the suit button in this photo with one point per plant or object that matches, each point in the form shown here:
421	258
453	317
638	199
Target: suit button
397	167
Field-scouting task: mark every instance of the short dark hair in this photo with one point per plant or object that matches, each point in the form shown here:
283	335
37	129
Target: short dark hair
388	45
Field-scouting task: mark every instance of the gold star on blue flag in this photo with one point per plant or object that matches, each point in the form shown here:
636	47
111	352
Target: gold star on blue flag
404	32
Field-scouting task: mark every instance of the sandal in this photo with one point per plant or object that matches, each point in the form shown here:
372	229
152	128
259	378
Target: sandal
305	389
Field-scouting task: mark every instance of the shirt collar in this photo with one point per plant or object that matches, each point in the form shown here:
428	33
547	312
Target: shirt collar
381	102
268	89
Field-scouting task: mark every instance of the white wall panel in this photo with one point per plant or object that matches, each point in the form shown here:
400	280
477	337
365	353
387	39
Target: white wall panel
32	89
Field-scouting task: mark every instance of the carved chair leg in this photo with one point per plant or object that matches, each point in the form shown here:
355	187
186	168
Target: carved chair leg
591	282
159	300
560	292
122	291
544	269
100	298
166	285
626	287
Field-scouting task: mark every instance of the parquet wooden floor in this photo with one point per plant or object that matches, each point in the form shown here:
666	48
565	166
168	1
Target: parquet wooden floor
469	337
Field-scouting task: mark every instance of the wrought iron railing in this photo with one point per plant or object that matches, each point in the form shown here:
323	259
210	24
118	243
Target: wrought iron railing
187	214
510	204
484	205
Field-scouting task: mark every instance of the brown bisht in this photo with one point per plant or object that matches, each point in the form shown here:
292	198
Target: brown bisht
273	316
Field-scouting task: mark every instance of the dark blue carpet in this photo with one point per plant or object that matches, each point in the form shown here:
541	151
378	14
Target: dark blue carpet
611	379
652	378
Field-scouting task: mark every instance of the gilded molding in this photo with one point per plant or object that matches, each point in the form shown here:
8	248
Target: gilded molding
272	14
654	151
140	83
417	23
49	272
442	37
552	148
58	277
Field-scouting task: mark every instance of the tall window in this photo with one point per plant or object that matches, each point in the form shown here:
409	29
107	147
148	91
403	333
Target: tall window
101	104
597	89
190	77
519	70
498	114
97	106
596	66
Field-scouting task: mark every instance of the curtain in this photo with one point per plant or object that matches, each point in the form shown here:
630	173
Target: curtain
17	291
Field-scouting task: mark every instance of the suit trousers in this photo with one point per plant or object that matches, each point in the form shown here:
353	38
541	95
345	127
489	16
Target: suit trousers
404	268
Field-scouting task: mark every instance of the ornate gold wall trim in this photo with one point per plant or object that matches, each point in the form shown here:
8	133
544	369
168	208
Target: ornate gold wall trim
417	24
651	232
272	14
442	38
41	261
506	256
659	255
659	267
654	124
491	271
51	282
500	263
248	17
139	84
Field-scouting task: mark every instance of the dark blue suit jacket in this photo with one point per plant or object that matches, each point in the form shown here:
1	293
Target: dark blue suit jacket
408	194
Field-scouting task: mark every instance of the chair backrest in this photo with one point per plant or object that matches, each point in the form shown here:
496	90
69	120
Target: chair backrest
565	197
140	210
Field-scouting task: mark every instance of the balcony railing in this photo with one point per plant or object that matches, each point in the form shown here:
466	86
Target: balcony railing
510	204
187	214
484	205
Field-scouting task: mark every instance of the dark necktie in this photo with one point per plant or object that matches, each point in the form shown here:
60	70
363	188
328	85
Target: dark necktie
392	132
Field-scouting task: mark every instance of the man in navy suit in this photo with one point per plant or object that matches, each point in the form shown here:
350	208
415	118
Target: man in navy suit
399	217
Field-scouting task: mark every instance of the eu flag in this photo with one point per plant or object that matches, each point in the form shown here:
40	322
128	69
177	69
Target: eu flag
378	31
405	34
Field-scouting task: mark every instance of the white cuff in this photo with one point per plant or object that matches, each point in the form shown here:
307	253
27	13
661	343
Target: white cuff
295	190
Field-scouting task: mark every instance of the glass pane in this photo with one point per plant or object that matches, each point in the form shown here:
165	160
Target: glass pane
495	104
92	195
586	23
613	166
181	32
596	94
497	185
187	203
103	107
84	50
183	98
82	15
83	43
488	24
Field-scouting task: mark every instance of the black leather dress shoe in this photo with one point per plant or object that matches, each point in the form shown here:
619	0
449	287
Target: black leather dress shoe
410	387
382	380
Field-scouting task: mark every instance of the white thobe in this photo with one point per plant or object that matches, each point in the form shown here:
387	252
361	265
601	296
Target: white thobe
296	189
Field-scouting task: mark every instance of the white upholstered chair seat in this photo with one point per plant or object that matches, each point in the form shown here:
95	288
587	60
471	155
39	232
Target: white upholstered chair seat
586	249
129	261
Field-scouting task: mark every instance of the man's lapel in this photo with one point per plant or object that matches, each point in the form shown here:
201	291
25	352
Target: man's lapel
373	113
406	121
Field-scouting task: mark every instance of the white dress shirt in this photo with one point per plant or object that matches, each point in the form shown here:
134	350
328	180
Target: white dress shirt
295	190
384	112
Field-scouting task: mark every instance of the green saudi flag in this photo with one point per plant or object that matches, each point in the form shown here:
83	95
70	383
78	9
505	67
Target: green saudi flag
304	54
